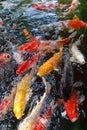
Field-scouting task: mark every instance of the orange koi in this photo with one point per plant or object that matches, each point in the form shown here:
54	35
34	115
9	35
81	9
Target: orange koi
26	33
4	57
71	106
50	64
28	63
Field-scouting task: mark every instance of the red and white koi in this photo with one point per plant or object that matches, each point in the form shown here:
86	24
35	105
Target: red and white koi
4	57
72	106
28	63
22	94
30	46
27	123
41	122
73	6
48	5
7	102
36	44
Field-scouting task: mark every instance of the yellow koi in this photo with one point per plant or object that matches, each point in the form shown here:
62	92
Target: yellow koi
22	95
27	123
50	64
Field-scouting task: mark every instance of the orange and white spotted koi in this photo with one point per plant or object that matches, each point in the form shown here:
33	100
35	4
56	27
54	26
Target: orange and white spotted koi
27	123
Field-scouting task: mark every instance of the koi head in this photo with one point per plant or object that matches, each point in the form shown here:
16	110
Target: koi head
4	57
75	23
18	110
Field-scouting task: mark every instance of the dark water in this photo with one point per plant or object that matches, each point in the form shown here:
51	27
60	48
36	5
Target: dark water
17	15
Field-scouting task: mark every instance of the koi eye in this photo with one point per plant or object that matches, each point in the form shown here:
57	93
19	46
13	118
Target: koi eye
8	56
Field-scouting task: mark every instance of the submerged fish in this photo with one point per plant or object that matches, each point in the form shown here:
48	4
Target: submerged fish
22	94
67	78
7	102
73	6
68	93
48	5
27	123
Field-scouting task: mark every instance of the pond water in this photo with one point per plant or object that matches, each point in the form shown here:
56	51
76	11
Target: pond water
18	15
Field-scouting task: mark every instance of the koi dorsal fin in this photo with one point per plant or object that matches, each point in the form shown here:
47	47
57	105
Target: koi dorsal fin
76	17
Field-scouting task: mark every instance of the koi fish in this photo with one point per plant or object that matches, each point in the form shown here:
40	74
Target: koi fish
40	123
67	78
28	63
7	102
45	6
22	94
55	44
36	44
4	57
16	55
27	123
50	64
48	6
73	23
73	6
71	106
26	33
77	56
31	46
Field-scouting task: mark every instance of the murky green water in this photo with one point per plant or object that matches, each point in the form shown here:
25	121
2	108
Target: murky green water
17	15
